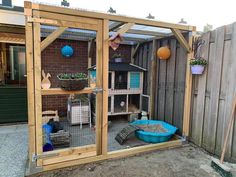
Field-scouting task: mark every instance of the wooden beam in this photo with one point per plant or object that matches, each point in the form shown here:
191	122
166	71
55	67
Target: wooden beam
98	15
63	155
30	89
125	28
70	18
12	38
12	29
116	154
37	89
90	51
115	25
149	33
132	54
135	50
52	37
62	23
188	90
153	79
90	36
99	84
59	91
181	39
105	58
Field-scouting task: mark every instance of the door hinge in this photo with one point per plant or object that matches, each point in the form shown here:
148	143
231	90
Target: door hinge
35	157
97	90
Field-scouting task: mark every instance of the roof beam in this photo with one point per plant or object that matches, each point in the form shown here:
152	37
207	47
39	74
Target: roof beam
115	25
135	50
52	37
112	17
125	28
181	39
149	33
12	29
87	37
12	38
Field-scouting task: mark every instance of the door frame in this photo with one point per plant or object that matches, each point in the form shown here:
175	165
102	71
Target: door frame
34	47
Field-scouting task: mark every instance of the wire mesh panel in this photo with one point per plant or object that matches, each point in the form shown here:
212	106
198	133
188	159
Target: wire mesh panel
65	64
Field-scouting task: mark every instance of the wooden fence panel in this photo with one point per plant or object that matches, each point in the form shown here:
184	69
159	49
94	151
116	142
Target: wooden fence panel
170	80
231	91
214	88
214	92
199	97
207	122
162	86
179	88
221	125
170	83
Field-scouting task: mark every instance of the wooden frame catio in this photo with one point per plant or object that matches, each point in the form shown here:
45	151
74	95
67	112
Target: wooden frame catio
38	14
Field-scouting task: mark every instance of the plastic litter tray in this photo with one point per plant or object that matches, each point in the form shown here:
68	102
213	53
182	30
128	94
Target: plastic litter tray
154	137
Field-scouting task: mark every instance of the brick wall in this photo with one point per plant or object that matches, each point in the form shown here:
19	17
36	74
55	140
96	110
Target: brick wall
54	63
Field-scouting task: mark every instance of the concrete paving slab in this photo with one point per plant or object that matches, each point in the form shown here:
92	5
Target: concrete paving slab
13	150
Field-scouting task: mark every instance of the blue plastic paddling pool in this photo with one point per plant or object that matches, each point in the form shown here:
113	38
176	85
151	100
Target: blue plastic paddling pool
154	137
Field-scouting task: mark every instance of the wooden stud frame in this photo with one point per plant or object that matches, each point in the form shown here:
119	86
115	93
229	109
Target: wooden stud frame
37	14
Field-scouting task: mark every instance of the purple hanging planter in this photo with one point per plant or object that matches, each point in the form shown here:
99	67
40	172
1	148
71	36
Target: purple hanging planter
197	69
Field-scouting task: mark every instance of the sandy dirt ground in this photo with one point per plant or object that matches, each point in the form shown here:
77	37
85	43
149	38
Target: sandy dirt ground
187	161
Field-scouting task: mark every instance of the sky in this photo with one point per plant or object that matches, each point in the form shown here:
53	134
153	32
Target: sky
197	13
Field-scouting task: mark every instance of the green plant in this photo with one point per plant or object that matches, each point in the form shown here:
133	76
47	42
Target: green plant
198	61
116	55
73	76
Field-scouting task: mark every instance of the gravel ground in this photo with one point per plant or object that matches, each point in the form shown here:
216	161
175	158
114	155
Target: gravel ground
187	161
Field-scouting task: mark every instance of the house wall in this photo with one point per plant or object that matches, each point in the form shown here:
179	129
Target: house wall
54	63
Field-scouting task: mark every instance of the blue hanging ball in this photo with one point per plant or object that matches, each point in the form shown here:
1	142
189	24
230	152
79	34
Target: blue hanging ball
67	51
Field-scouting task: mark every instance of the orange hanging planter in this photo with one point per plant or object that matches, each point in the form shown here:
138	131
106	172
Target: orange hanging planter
163	53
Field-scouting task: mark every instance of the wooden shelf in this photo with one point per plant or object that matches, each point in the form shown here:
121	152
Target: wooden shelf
59	91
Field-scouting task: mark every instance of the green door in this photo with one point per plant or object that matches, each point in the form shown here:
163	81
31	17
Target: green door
13	92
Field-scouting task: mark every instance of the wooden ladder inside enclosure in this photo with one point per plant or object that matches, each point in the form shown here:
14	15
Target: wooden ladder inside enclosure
124	134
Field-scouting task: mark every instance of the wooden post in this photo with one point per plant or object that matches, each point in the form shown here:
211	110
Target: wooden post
3	68
132	55
38	96
90	44
153	79
105	59
99	84
30	87
188	89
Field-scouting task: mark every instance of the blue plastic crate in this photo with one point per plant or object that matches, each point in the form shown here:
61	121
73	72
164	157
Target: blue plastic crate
155	137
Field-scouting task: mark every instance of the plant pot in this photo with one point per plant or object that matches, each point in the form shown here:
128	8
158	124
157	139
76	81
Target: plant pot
197	69
118	60
73	84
